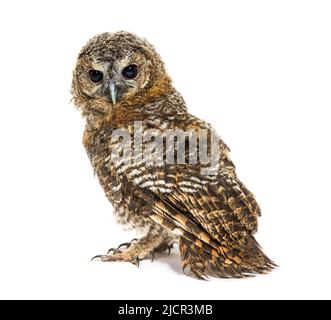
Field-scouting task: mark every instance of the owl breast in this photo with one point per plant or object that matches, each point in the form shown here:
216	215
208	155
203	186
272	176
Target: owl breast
115	158
105	151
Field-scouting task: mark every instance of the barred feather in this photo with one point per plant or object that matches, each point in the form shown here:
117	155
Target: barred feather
214	217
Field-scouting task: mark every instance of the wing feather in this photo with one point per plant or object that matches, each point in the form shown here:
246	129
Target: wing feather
218	212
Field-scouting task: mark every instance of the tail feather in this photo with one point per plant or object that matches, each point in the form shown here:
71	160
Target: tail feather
238	262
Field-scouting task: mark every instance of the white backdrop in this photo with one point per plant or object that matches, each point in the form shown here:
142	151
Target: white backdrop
259	71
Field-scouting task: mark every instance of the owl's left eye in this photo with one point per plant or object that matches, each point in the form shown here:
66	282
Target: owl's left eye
95	76
130	72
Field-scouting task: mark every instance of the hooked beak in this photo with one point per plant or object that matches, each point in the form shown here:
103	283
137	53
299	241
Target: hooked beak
113	91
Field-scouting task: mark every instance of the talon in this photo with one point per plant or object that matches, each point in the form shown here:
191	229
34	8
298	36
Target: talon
114	250
136	261
169	250
99	256
152	256
125	244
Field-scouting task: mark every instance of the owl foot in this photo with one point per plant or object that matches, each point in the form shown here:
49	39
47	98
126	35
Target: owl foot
118	256
133	252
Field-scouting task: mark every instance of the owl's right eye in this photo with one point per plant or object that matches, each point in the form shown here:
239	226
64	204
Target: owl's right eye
95	76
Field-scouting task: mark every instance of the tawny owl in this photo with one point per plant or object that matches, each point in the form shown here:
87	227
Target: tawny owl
123	90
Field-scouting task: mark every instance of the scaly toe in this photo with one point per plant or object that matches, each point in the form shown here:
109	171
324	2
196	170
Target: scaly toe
134	259
106	258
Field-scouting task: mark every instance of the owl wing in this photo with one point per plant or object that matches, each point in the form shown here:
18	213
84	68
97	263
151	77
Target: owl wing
210	210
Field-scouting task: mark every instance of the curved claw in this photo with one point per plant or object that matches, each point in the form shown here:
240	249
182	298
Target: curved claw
169	248
114	250
152	256
99	256
136	261
125	244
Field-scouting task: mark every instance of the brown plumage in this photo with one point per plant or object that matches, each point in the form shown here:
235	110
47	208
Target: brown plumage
119	82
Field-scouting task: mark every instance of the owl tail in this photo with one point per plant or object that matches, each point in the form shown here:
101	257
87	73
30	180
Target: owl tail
237	262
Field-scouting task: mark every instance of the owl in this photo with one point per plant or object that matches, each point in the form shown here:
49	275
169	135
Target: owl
151	158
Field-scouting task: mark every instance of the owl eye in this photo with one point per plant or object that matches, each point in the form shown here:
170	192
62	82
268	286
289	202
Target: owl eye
130	72
95	76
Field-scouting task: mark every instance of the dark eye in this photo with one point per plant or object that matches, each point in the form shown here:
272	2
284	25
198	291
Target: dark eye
130	72
95	76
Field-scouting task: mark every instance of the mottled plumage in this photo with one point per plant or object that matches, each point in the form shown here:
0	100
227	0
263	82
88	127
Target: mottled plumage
213	217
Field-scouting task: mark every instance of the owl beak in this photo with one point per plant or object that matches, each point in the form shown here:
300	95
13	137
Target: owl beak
113	91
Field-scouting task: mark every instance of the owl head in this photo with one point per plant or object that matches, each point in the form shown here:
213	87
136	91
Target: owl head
115	69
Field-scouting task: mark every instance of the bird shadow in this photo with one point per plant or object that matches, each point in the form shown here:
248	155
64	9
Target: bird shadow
172	260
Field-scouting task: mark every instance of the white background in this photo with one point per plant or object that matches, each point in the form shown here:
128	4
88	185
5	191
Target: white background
259	71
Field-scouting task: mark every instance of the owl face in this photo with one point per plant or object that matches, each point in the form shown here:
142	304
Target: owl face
113	67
